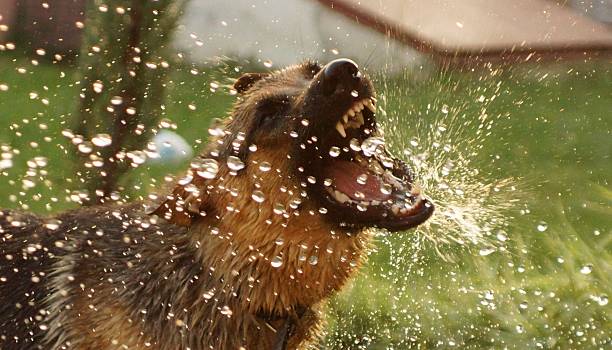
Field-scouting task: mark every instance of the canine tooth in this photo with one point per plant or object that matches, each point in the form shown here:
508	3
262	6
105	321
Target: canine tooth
403	210
340	129
351	112
370	106
358	106
373	99
375	202
345	118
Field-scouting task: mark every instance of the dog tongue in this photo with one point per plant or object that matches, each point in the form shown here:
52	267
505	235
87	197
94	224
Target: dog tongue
344	175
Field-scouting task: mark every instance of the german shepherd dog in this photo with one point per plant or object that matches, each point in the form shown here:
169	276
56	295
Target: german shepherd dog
270	221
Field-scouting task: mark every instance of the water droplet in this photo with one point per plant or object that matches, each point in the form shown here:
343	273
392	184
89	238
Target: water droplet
53	224
486	251
6	163
313	260
279	241
355	145
355	93
334	151
116	100
586	269
278	209
602	300
501	236
276	262
137	157
41	162
362	179
268	63
386	188
208	168
225	310
523	305
596	232
85	147
234	163
265	166
258	196
98	86
542	226
370	145
520	329
102	140
209	294
311	179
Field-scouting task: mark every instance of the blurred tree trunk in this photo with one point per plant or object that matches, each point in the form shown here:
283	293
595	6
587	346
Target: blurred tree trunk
123	66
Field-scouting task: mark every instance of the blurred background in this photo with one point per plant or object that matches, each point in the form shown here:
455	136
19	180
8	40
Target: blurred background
503	108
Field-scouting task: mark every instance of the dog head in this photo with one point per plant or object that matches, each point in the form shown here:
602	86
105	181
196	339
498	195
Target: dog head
310	131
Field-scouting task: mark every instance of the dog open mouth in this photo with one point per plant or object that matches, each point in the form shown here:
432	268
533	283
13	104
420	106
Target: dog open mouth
370	185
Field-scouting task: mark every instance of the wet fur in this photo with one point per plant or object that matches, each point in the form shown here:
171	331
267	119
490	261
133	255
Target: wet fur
196	275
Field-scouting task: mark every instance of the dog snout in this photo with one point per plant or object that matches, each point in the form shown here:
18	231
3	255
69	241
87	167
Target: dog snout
340	75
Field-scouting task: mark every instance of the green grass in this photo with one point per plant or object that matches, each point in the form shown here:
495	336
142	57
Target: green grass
552	132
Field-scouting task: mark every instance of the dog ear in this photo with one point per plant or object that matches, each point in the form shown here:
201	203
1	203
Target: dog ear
247	80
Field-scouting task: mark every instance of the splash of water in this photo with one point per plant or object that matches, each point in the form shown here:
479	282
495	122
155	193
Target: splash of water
444	147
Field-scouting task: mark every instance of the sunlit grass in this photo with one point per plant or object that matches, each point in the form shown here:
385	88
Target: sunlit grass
547	132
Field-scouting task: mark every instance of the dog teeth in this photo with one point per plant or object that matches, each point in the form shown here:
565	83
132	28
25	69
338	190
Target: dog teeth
353	118
340	129
370	106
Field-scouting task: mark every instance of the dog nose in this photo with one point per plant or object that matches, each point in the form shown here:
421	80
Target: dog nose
340	73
